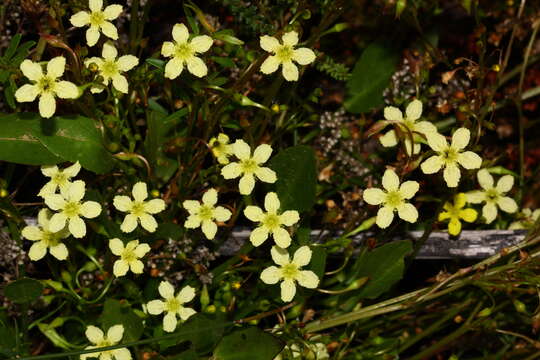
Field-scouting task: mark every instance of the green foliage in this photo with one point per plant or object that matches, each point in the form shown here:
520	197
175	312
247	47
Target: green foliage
23	291
114	312
249	15
248	344
370	76
336	70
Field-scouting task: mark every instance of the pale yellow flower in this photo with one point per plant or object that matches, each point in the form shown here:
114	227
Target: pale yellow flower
98	19
408	124
284	54
450	156
71	208
271	222
111	68
138	209
172	305
129	256
393	199
249	166
290	271
205	214
456	212
527	219
492	195
96	337
46	86
45	239
59	178
183	52
221	148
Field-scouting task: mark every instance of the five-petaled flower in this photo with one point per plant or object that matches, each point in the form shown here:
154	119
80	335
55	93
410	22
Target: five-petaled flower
449	156
183	52
46	86
98	19
205	214
492	195
284	54
138	209
129	256
249	166
221	148
408	126
393	199
45	239
111	68
114	335
290	271
271	222
59	178
456	212
172	305
70	209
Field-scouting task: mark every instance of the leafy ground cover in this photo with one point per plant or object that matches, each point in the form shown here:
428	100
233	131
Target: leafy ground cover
137	138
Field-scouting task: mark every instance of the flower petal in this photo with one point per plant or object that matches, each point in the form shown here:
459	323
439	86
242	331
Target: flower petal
154	206
121	354
489	211
47	105
385	215
196	66
393	113
271	202
374	196
201	43
451	175
461	138
210	197
266	175
454	226
92	35
485	179
120	268
222	214
304	56
290	38
109	30
262	153
231	171
59	251
302	256
507	204
290	71
436	141
289	217
77	227
57	222
414	110
186	294
408	212
192	222
90	209
408	189
173	68
129	224
148	222
122	203
166	290
26	93
32	233
271	275
80	19
505	184
469	215
258	236
94	334
192	206
269	43
180	33
185	313
241	150
127	62
390	180
424	127
141	250
281	237
120	83
270	65
308	279
475	197
209	229
288	290
66	90
139	192
167	49
469	160
389	139
155	307
117	246
95	5
37	251
169	322
279	255
432	165
111	12
56	66
246	184
31	70
253	213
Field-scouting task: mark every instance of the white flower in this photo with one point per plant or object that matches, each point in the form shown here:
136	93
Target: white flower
249	166
129	256
449	156
290	271
221	148
172	305
59	178
204	214
98	20
492	195
284	54
408	124
271	222
45	239
70	209
114	335
138	209
393	199
111	68
46	86
183	52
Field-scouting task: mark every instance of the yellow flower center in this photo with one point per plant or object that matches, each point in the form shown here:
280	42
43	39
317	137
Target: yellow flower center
173	305
285	53
49	239
137	208
59	178
46	84
206	212
450	155
183	51
290	271
97	18
72	208
219	149
109	68
394	198
409	124
271	221
248	166
104	343
128	255
492	195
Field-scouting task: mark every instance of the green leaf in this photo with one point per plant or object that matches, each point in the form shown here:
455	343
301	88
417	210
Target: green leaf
24	290
24	136
371	75
114	312
12	48
160	64
383	266
296	171
248	344
227	37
